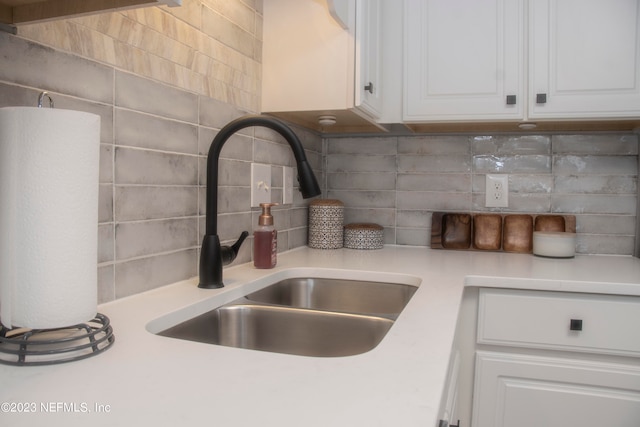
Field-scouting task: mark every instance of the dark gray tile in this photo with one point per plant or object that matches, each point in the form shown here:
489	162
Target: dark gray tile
587	165
135	166
607	144
143	238
105	243
363	146
139	275
512	145
151	202
216	114
435	145
140	94
145	131
44	68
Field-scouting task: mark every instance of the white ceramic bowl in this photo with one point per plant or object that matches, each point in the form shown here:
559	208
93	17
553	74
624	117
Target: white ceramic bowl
554	244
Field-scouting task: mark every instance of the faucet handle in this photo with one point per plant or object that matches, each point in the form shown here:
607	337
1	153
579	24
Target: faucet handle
229	253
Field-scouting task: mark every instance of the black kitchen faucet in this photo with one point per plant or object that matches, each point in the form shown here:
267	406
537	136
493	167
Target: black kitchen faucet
212	255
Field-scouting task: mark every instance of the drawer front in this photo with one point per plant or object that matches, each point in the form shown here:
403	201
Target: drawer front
560	320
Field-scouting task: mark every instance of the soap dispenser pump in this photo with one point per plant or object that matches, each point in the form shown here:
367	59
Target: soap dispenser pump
265	239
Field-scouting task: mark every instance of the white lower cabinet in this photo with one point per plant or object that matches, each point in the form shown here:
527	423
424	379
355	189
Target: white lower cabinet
532	391
556	359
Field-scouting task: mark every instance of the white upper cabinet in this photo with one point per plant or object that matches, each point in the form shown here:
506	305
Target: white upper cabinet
463	60
313	66
584	58
368	53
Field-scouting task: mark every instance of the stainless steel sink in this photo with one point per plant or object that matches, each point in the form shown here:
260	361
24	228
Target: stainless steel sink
284	330
303	316
350	296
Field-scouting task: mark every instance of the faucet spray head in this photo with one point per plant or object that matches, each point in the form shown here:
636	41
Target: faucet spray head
308	185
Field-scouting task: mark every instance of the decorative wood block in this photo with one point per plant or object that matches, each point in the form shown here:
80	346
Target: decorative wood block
450	231
487	232
494	232
550	223
517	233
456	233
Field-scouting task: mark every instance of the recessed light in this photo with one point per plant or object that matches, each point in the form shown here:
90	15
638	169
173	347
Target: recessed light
327	120
527	126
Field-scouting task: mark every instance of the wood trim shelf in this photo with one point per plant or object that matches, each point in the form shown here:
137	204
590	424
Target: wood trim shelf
16	12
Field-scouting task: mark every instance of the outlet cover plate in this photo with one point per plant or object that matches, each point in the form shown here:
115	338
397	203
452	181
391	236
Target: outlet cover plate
260	184
287	185
497	191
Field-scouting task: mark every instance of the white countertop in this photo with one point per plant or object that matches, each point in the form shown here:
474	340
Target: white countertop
145	379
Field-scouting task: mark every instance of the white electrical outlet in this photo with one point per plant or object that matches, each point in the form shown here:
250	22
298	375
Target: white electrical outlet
287	185
497	191
260	184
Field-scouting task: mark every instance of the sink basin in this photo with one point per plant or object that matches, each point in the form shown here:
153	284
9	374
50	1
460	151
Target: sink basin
350	296
286	330
305	316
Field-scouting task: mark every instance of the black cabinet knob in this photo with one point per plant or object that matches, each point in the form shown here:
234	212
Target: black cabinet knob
369	87
541	98
511	100
575	325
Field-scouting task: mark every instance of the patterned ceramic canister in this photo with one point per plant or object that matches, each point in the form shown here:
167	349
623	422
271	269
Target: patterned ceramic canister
326	219
363	236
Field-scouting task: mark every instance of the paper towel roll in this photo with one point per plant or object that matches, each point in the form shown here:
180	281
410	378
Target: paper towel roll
49	160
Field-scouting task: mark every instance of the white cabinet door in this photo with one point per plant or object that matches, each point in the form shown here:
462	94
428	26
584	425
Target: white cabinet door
530	391
584	58
307	57
368	89
316	62
463	58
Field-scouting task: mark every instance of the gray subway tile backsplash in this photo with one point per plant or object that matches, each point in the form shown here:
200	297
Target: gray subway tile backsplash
155	139
593	176
155	136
